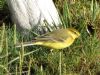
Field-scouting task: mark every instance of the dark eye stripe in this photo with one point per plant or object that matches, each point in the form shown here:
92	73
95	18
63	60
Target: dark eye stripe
74	31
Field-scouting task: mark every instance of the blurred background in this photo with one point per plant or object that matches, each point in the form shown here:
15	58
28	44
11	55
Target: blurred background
82	58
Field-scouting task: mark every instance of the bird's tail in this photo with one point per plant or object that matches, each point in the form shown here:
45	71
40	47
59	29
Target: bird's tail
33	42
24	44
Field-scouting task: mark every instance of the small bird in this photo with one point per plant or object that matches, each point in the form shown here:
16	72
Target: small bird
57	39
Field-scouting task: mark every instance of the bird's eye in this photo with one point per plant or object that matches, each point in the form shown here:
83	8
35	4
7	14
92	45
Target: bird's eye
74	31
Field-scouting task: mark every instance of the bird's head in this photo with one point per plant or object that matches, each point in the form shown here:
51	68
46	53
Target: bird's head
73	32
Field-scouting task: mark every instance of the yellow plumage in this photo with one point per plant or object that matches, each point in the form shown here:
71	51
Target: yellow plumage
57	39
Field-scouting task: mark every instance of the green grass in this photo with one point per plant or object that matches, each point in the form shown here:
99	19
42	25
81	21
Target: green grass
81	58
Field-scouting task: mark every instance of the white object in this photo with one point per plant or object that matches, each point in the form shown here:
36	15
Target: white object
28	14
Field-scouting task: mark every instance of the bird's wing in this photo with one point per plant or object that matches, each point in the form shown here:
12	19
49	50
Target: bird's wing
55	36
49	38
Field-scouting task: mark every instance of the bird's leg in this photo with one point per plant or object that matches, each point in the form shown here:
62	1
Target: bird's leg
60	62
51	50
